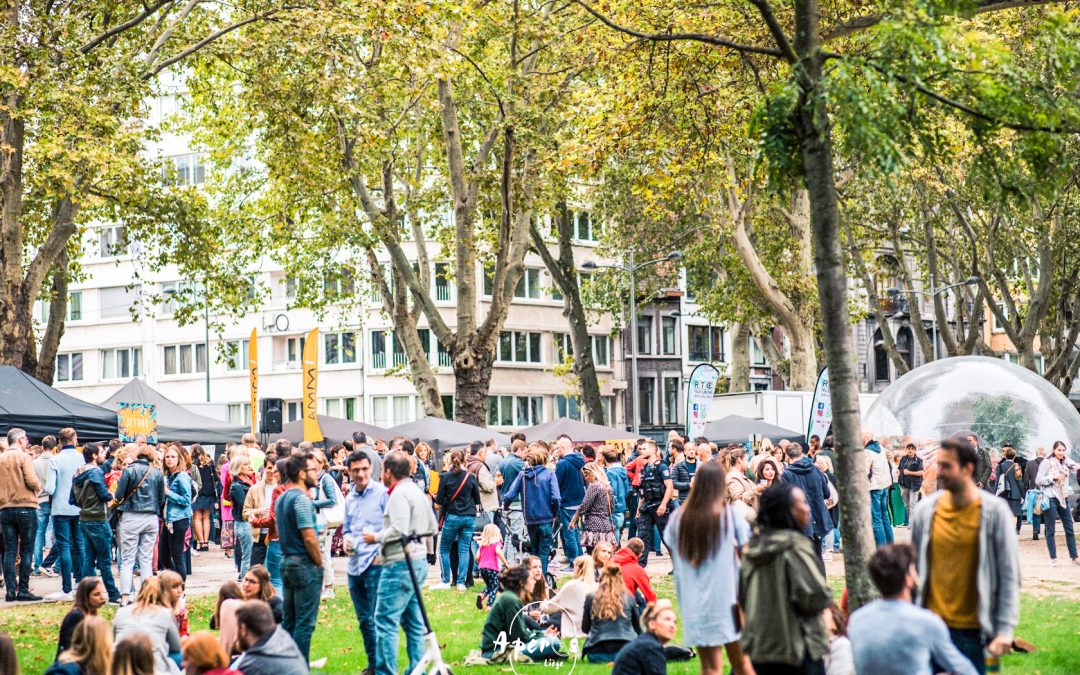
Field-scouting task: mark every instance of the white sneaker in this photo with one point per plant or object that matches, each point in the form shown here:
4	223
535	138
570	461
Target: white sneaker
60	596
1076	561
1053	562
439	587
317	663
460	588
827	556
328	593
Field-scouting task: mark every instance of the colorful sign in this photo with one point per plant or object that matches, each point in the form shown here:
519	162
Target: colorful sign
310	372
820	408
136	419
699	395
253	368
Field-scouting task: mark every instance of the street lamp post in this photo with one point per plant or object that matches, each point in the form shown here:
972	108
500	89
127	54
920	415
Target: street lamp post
631	267
933	293
206	337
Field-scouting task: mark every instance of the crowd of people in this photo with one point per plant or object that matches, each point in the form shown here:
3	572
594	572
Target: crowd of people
747	535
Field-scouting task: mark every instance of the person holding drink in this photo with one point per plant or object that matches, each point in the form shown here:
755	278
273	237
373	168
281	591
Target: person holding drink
364	507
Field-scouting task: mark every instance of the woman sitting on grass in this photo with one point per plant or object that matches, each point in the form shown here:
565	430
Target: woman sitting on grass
610	619
91	650
506	623
90	596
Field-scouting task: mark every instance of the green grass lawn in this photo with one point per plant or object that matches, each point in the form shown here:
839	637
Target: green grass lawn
1051	623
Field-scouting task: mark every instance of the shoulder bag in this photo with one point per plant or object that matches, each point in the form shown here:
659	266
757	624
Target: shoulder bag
442	509
115	504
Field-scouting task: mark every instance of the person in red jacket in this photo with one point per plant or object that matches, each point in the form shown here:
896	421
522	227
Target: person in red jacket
633	573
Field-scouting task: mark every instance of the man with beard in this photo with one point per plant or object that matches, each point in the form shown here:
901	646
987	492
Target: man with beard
301	564
968	560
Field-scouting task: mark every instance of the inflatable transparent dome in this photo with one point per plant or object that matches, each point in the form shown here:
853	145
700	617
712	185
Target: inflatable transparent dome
999	401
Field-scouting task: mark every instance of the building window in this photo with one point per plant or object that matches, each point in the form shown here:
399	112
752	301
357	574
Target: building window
169	291
996	325
69	367
528	285
756	354
405	409
120	363
584	227
644	335
112	241
568	406
115	302
667	335
190	169
519	347
609	405
445	359
881	358
522	411
339	348
74	306
903	345
671	400
706	343
185	359
342	408
236	355
646	400
378	349
380	411
292	411
601	350
448	406
563	349
240	413
294	350
442	282
291	284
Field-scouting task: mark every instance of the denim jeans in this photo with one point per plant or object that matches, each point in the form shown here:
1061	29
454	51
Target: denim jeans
397	604
19	529
273	566
540	543
97	539
69	540
879	517
618	520
458	528
571	537
243	546
44	531
970	643
303	585
1059	510
364	590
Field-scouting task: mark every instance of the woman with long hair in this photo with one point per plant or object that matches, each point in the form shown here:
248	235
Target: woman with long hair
172	585
610	617
205	496
768	474
1053	480
134	655
425	456
256	586
177	520
507	619
241	479
90	597
783	630
738	487
569	602
90	652
152	614
458	499
326	497
704	537
601	554
203	655
228	525
9	659
645	655
594	516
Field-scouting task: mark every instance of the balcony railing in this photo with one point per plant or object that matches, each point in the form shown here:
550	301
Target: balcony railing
378	360
442	292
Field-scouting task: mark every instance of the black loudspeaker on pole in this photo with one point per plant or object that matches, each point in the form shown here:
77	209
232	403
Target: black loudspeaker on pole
270	415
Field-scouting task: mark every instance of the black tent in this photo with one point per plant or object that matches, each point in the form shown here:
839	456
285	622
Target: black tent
40	410
579	432
443	434
174	421
334	429
737	429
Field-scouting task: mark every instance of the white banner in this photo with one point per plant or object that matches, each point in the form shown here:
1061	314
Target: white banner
820	408
699	395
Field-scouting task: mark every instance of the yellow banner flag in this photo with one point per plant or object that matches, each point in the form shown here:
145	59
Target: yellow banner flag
310	370
253	367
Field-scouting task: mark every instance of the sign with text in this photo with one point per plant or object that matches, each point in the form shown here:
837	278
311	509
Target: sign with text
136	419
310	373
699	395
820	408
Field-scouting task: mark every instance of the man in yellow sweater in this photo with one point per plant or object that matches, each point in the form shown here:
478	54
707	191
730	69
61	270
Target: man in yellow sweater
968	560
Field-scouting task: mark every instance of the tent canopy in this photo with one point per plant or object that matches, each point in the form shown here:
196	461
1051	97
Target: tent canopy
174	421
737	429
443	434
41	410
334	429
579	432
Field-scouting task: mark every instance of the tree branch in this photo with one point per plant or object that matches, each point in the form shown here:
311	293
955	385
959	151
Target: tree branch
205	41
127	25
983	7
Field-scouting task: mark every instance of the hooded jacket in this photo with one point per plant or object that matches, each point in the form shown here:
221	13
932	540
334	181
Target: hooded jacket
880	470
89	493
510	468
783	592
620	485
633	574
274	654
539	490
571	482
815	486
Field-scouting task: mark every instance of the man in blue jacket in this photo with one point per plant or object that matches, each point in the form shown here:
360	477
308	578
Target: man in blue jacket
540	497
89	493
801	472
572	488
620	488
62	468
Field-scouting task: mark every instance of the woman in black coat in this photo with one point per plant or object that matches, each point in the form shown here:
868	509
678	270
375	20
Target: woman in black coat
1010	485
